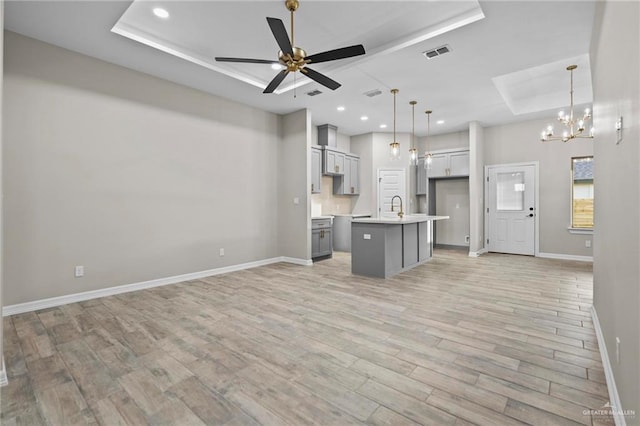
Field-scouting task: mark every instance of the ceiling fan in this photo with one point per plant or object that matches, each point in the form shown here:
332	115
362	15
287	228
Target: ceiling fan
295	59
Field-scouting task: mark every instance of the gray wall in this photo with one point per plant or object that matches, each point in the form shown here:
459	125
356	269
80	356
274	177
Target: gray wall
452	199
362	145
131	176
519	142
1	174
444	141
476	187
616	90
294	182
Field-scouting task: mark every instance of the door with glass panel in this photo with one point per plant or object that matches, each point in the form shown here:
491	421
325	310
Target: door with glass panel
511	209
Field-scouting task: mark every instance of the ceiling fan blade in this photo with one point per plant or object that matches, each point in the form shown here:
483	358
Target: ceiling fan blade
246	60
280	33
276	81
332	55
320	78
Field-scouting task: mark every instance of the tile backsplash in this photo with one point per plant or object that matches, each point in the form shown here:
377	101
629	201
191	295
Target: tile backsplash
329	203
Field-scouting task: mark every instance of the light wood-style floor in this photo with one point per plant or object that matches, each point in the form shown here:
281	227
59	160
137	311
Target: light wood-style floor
493	340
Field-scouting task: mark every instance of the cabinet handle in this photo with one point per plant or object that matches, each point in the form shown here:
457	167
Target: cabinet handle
352	190
336	168
311	187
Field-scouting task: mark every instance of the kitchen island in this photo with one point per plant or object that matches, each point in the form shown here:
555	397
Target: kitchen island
383	247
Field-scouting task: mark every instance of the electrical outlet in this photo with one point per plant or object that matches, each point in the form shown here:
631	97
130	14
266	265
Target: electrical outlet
618	350
587	243
221	252
79	271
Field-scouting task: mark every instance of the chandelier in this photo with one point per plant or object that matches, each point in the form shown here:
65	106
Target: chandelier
394	146
413	152
574	127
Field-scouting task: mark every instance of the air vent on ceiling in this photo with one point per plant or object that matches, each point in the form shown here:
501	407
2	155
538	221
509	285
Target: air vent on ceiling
430	54
372	93
314	92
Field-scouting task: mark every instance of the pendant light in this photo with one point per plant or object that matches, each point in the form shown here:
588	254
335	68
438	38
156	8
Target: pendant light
394	146
428	153
413	152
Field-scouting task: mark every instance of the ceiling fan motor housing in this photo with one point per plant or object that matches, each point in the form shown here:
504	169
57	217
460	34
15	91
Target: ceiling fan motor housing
296	63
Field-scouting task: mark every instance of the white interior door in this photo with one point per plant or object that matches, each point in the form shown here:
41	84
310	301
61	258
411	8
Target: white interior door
391	182
511	209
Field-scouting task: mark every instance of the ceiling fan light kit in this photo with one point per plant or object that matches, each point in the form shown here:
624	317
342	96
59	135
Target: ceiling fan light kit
295	59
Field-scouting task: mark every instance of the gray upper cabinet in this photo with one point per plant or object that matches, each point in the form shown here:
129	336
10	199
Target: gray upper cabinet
334	162
421	177
316	170
349	182
449	164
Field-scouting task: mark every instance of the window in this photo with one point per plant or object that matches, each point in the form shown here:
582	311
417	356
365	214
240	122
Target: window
582	193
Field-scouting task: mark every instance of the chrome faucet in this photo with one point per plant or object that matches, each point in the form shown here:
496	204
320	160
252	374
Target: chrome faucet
400	213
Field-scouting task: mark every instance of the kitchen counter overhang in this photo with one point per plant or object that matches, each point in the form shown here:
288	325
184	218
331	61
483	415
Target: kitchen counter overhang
386	246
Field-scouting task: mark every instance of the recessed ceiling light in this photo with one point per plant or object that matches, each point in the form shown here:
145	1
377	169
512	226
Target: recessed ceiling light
383	126
160	12
364	118
440	122
276	66
340	108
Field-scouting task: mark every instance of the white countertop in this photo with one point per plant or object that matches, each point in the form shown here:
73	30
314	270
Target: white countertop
322	217
353	214
409	218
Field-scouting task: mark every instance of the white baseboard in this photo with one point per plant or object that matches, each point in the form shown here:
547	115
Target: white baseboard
296	261
614	397
3	375
51	302
478	253
565	257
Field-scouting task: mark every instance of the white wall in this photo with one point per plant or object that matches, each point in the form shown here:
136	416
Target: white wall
519	142
615	69
131	176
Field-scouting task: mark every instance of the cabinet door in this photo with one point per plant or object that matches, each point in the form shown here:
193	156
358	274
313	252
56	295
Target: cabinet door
326	243
333	162
459	163
439	165
340	163
315	243
421	177
316	171
354	176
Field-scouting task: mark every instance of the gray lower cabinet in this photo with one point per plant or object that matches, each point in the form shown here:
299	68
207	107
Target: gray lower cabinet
316	170
321	238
